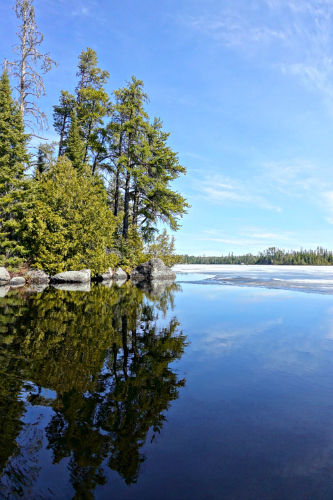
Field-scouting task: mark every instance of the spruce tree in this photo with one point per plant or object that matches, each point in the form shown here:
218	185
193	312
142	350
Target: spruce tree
14	161
62	118
92	105
143	165
75	147
69	224
45	158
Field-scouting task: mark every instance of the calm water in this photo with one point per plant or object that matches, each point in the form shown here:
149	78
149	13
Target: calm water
196	390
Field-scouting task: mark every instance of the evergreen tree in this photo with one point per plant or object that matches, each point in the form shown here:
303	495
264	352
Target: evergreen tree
45	158
90	76
14	161
62	118
70	225
142	165
126	135
154	200
75	150
133	153
92	106
163	247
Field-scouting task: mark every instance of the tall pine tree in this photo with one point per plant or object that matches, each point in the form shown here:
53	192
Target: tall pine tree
75	150
14	160
92	105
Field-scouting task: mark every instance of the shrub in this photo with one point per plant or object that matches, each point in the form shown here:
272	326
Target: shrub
70	225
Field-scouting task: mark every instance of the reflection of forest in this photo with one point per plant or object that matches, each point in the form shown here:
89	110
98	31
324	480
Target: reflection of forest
108	364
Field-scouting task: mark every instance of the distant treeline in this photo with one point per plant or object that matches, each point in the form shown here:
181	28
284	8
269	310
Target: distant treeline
273	255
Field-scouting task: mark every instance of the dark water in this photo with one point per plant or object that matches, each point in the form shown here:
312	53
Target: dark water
176	392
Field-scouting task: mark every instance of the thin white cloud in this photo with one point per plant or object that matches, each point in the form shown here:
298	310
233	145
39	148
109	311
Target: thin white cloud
233	30
328	195
299	32
221	190
266	236
272	184
221	341
257	238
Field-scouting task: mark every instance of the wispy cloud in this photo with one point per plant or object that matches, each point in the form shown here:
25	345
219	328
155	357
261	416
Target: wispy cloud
272	185
268	236
221	341
290	176
82	11
220	190
299	33
256	238
233	30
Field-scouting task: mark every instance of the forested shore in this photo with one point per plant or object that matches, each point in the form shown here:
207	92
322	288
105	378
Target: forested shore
99	197
271	256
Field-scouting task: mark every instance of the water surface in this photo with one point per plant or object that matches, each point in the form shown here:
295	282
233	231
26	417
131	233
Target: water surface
181	391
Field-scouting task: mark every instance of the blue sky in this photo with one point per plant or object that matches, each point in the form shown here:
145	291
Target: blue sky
246	89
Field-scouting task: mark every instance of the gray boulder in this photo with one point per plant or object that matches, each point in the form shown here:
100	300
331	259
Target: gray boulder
82	276
17	281
37	276
119	274
120	283
154	269
111	283
155	288
37	288
108	275
4	290
4	276
73	287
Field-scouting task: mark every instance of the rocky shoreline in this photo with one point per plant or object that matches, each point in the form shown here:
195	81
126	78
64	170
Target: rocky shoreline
148	275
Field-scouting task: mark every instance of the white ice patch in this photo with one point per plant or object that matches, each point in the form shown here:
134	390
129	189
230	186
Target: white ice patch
309	278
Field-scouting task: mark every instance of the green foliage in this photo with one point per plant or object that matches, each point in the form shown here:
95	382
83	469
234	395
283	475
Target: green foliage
131	167
142	165
157	202
62	118
131	249
14	185
45	158
90	76
75	149
89	106
70	225
163	247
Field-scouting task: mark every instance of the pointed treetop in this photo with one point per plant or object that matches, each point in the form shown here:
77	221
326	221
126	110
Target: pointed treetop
88	72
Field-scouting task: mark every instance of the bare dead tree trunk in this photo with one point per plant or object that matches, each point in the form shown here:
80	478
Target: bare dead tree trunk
30	83
23	62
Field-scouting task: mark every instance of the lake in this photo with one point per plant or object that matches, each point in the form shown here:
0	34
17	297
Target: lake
218	386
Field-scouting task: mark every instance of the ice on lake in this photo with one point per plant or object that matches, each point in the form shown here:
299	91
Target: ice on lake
314	279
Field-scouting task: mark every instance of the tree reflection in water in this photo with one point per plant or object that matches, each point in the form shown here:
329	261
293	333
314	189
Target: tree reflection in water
107	359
